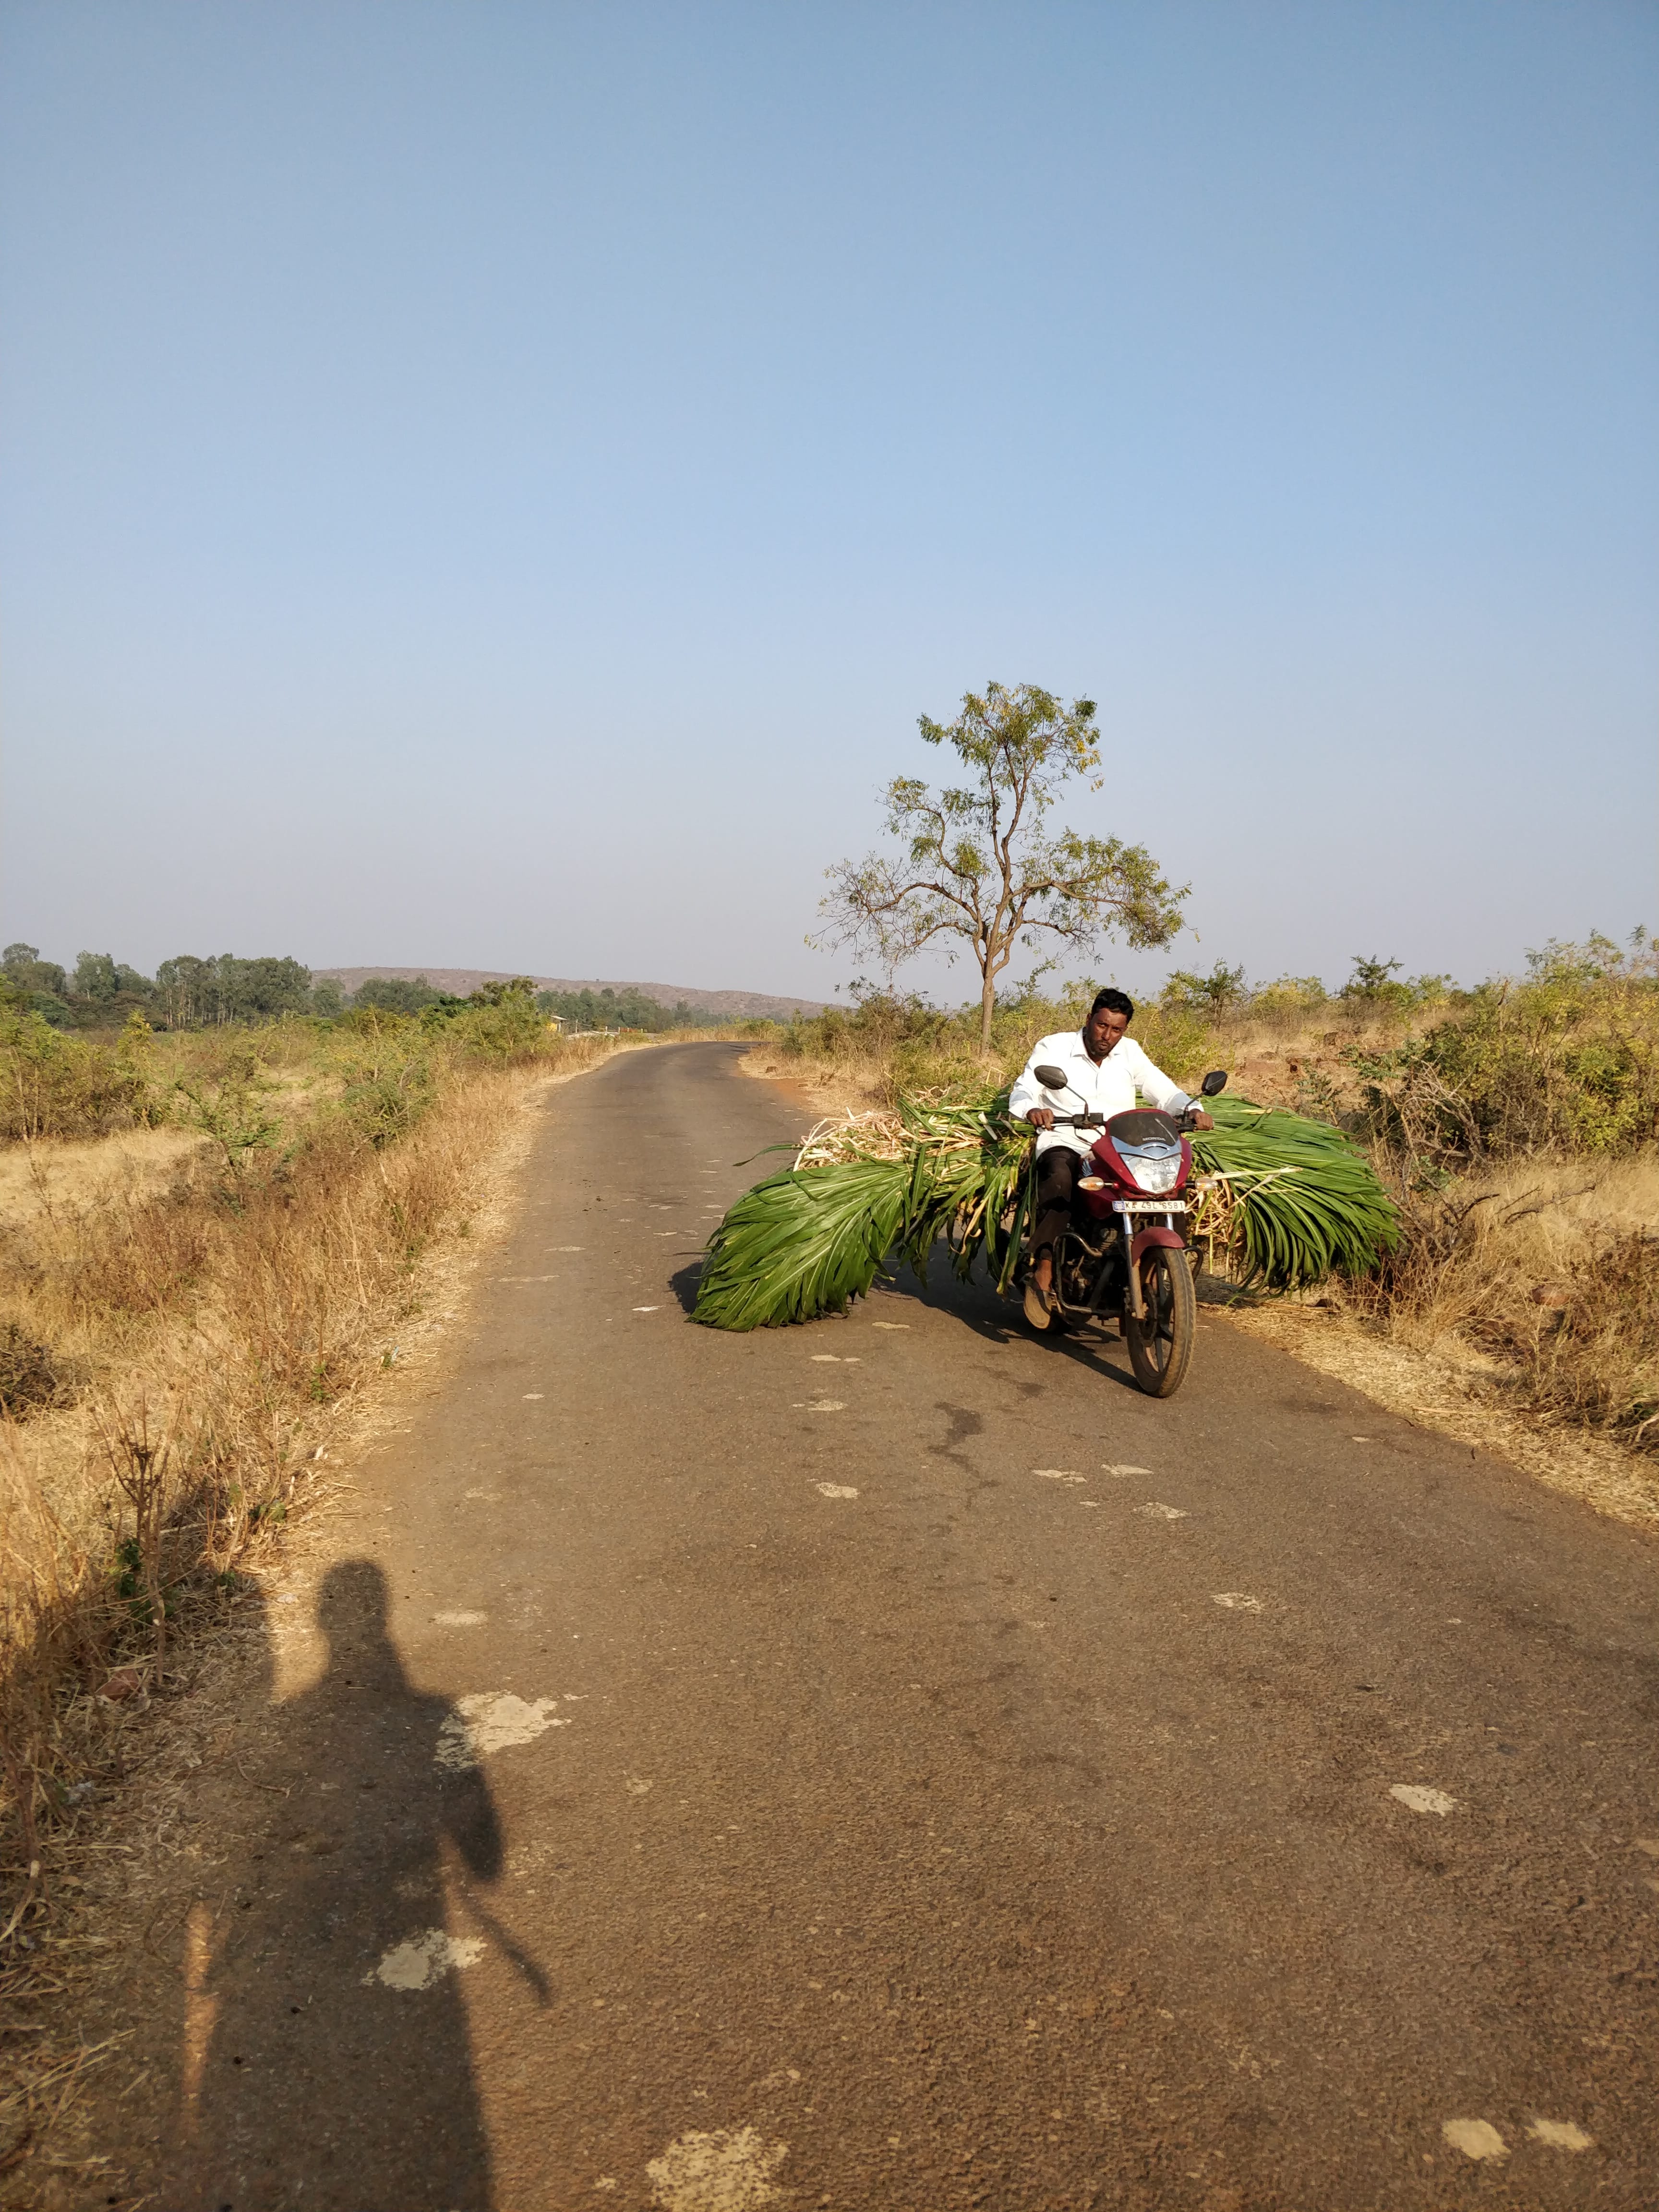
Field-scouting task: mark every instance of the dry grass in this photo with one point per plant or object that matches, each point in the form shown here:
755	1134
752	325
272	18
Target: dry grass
1527	1228
858	1085
360	1251
1541	1280
207	1324
65	1174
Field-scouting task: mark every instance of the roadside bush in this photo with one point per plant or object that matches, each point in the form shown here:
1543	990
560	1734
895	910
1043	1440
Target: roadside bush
1289	1006
494	1030
55	1084
28	1373
1600	1365
1567	1060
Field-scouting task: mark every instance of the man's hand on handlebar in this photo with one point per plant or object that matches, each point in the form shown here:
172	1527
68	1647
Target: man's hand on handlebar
1196	1118
1042	1117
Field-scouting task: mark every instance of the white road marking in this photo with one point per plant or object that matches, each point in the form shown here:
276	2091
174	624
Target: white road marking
1421	1799
1237	1600
567	1248
1126	1470
527	1278
834	1490
488	1497
535	1394
1371	1440
889	1324
723	2170
1560	2135
647	1309
460	1620
425	1959
1088	1501
832	1358
826	1405
1151	1510
1474	2138
1058	1474
490	1721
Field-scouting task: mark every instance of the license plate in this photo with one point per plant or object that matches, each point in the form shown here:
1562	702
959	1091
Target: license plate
1148	1205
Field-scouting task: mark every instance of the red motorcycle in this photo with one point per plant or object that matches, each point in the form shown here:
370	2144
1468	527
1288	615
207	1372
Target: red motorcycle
1124	1255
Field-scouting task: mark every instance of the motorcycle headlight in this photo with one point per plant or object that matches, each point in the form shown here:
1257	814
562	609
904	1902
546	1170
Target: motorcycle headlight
1156	1176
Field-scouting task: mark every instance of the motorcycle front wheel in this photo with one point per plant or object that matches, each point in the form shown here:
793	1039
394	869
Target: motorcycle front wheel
1161	1345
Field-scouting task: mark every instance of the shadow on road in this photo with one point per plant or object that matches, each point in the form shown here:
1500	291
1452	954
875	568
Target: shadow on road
326	2057
999	1320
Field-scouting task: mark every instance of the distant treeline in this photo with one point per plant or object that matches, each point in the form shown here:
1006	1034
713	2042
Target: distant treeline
578	1010
101	992
622	1009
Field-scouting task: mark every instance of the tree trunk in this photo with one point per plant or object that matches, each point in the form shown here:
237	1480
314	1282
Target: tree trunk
988	1000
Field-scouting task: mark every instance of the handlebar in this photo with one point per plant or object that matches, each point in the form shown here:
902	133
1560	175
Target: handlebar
1185	1121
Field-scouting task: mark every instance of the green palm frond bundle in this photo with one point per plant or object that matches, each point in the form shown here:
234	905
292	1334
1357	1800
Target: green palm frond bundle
803	1242
1288	1200
1285	1202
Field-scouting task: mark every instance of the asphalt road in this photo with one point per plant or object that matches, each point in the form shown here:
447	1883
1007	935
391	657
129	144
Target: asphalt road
893	1764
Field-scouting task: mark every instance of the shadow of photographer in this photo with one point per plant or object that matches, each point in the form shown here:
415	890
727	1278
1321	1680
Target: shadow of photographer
326	2057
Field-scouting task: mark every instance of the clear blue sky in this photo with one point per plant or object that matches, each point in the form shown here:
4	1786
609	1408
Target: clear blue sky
495	485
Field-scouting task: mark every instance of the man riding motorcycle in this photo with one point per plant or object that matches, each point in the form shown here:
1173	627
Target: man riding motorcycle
1104	1068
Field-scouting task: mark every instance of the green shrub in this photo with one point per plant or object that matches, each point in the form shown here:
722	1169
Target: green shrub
55	1084
1567	1060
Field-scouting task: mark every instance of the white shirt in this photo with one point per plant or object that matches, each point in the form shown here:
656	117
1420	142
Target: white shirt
1108	1088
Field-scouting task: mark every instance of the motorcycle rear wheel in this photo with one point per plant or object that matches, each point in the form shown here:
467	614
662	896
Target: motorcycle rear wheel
1161	1345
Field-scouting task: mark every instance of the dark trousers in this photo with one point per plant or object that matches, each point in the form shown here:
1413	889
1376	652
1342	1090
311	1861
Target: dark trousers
1057	1173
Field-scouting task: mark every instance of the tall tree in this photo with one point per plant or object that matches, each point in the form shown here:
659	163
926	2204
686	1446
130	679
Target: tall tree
979	862
23	966
96	976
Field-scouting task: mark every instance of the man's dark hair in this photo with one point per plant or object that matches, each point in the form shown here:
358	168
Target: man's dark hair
1119	1001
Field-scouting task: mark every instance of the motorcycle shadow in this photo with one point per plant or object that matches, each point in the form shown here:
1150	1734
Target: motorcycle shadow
1094	1346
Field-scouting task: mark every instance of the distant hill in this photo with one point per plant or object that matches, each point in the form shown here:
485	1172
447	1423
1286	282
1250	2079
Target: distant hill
752	1005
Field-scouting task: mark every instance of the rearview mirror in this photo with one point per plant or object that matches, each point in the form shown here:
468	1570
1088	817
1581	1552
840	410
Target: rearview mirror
1214	1081
1053	1078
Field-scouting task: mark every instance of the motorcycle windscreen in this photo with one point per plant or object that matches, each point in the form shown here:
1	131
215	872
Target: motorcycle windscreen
1144	1126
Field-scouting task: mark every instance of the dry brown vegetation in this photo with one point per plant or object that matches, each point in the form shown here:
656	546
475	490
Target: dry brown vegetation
189	1309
